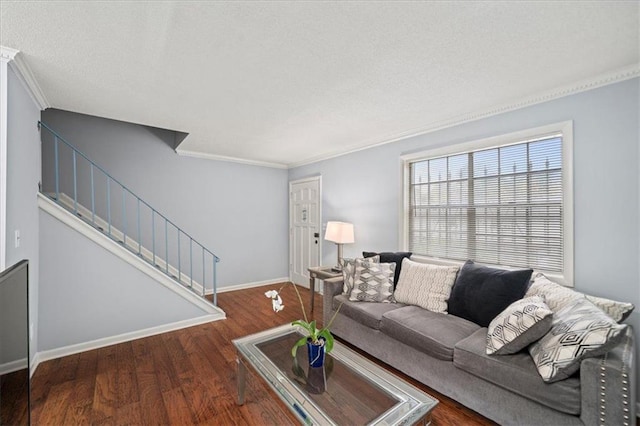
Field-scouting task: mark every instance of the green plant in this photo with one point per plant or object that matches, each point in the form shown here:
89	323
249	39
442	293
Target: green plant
318	336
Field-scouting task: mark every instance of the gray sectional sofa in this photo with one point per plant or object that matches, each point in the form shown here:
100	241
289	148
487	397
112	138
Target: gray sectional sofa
447	353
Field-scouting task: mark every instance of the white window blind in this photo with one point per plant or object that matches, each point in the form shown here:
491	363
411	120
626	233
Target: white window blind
500	205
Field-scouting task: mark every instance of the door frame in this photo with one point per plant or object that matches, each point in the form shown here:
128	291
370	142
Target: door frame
317	178
6	55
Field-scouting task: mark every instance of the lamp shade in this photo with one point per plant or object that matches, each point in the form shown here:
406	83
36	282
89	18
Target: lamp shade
339	232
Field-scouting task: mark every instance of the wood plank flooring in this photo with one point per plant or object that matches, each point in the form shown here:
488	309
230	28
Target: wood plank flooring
183	377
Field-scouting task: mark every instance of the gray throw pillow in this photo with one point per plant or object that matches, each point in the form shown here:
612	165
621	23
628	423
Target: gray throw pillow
580	330
520	324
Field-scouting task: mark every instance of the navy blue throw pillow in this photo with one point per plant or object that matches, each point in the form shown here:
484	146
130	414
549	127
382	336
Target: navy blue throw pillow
390	257
480	293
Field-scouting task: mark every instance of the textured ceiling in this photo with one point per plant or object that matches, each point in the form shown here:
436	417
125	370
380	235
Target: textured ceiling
291	82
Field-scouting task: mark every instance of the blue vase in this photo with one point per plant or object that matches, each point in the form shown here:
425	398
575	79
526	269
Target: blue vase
316	353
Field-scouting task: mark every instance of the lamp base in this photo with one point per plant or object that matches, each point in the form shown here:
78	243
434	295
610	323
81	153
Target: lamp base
338	267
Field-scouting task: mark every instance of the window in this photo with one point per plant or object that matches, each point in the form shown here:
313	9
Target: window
502	201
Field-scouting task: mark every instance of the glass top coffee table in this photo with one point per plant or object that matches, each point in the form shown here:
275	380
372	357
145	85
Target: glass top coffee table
348	390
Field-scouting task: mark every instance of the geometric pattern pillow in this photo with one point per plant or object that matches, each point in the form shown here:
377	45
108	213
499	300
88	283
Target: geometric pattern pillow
390	257
373	282
349	272
579	331
515	328
557	297
424	285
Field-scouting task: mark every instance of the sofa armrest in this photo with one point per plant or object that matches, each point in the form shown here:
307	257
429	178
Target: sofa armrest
608	386
331	287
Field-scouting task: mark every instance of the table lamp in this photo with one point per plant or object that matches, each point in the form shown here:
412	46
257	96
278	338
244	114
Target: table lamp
339	233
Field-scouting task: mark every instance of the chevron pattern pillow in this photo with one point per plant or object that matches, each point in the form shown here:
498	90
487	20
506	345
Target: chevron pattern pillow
557	297
619	311
373	282
580	330
424	285
520	324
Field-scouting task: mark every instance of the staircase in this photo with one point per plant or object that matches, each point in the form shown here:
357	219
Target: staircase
83	188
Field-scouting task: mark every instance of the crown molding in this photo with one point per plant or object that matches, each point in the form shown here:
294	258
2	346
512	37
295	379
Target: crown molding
617	76
7	54
206	156
622	74
25	75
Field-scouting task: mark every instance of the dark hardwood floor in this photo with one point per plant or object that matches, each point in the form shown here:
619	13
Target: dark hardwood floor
183	377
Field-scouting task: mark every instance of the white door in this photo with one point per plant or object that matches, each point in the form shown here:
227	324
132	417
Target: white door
304	228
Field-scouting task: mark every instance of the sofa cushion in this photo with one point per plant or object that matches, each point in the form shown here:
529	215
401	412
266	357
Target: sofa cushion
390	257
579	331
373	282
522	323
369	314
516	373
424	285
433	333
480	293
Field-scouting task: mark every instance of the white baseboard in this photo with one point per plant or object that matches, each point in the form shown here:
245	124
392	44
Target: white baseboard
10	367
251	285
34	364
120	338
107	341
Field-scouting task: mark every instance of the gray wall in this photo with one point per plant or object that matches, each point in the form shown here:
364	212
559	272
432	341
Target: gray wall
107	296
23	175
365	187
240	212
14	318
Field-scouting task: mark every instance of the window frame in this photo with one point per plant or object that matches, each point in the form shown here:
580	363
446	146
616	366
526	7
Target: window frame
565	128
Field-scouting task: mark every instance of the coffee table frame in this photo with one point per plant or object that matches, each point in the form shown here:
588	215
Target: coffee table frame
412	405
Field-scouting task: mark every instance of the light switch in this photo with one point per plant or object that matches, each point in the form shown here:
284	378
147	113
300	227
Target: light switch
17	239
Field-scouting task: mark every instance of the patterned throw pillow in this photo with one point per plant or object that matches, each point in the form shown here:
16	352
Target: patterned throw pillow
373	282
391	257
580	330
349	272
425	285
558	297
619	311
515	328
555	295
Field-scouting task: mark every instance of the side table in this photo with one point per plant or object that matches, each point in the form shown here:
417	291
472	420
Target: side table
321	273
